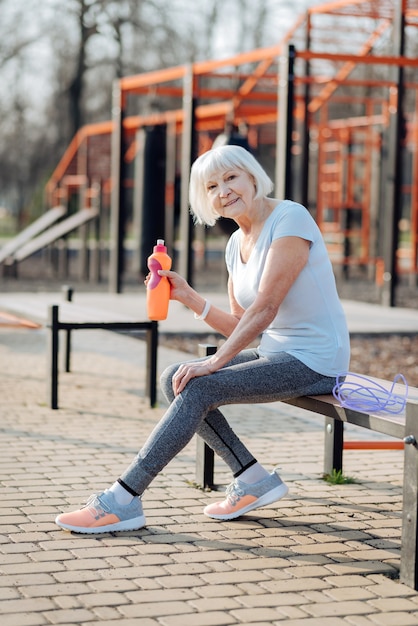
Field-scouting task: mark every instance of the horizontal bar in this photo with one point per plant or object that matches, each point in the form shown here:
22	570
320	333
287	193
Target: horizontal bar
370	59
374	445
104	325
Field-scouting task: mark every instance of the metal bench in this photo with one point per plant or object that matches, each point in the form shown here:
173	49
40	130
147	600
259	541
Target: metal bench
403	426
69	317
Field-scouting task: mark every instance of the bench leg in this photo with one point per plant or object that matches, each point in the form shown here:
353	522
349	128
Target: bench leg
53	356
67	351
333	445
409	557
205	457
68	294
152	351
205	464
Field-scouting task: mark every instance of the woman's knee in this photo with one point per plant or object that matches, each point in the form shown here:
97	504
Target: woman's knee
166	379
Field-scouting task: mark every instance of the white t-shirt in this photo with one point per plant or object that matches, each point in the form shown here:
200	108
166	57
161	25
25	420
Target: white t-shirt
310	323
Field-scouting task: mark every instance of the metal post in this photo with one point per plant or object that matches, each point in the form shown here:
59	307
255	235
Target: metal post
64	251
392	197
205	458
375	176
117	209
152	351
138	198
53	356
83	231
409	543
68	293
185	255
170	186
333	445
95	256
283	174
305	131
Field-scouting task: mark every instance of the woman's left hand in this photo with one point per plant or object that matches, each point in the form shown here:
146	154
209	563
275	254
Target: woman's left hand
187	371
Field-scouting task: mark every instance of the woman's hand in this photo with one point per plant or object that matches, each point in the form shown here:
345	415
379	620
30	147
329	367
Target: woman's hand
179	287
187	371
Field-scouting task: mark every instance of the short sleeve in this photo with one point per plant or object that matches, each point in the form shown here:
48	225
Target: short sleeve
294	220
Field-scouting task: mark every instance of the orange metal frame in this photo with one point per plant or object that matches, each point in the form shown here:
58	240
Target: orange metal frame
244	88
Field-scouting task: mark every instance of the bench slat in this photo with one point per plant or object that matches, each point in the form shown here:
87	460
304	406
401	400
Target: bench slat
391	425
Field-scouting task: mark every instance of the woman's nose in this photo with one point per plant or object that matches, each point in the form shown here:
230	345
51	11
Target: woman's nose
224	190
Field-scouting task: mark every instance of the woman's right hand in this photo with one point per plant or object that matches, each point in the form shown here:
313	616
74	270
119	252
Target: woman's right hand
179	287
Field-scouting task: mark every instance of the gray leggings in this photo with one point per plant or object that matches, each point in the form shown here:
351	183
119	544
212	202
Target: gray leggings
249	378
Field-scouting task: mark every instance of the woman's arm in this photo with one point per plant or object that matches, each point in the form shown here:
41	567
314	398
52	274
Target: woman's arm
285	260
221	321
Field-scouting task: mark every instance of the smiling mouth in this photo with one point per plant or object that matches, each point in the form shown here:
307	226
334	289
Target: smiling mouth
231	202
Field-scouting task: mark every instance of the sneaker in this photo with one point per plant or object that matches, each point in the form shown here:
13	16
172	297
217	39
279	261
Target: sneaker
102	514
242	497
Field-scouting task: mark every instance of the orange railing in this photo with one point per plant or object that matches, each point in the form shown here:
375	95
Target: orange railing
245	88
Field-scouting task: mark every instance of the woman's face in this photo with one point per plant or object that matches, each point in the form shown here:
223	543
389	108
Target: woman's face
231	192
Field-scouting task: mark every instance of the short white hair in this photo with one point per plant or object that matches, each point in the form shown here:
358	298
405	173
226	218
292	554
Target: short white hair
216	160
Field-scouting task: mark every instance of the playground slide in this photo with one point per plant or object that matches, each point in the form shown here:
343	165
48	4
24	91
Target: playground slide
54	233
38	226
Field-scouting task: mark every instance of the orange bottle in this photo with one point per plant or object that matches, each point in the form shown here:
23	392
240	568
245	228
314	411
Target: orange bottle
158	288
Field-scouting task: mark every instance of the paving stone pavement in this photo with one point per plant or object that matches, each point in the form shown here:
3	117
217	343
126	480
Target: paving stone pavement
324	556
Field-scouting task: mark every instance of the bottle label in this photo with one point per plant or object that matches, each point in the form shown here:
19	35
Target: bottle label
153	267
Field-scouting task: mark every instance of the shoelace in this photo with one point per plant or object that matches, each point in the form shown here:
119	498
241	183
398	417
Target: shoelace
233	493
96	507
364	394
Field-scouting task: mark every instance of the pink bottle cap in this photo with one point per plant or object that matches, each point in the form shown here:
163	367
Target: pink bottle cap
160	247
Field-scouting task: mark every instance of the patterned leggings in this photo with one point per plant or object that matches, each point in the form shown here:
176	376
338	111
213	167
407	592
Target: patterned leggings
247	379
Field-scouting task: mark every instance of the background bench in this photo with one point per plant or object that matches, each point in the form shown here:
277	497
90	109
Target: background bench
403	426
69	317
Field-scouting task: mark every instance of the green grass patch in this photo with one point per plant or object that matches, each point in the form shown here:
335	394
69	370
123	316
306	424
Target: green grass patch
338	478
192	483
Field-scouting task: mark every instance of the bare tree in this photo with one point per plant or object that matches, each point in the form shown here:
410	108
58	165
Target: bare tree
112	39
10	45
87	29
58	60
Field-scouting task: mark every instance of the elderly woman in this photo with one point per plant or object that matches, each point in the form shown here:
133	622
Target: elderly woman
281	287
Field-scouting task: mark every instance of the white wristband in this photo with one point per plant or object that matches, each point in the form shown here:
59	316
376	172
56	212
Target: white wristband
205	311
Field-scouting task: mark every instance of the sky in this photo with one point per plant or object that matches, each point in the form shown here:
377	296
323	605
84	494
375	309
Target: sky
36	19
